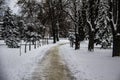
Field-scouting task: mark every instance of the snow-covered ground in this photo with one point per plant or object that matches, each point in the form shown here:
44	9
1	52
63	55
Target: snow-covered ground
85	65
97	65
16	67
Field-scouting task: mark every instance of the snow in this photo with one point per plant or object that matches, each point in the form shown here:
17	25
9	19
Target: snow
14	7
15	67
97	65
118	34
84	65
1	42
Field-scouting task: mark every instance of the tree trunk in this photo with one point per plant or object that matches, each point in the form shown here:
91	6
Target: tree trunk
115	19
91	41
91	37
116	46
54	35
47	41
76	38
35	44
76	43
57	35
52	12
20	48
116	41
93	15
30	46
25	47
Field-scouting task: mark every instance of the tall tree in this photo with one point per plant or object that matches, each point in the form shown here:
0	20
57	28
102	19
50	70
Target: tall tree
10	31
114	20
91	20
74	12
29	12
82	20
103	34
52	9
55	17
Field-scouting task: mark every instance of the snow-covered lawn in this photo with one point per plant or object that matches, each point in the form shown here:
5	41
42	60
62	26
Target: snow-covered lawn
97	65
16	67
85	65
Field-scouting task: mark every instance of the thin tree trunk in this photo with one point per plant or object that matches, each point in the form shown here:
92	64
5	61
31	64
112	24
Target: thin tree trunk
54	34
20	49
30	46
25	47
76	38
47	41
77	42
57	36
35	44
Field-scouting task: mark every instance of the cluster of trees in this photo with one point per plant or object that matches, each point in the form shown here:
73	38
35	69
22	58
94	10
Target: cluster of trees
96	20
20	27
103	22
100	19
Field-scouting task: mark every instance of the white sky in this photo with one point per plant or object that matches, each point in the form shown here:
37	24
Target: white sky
13	6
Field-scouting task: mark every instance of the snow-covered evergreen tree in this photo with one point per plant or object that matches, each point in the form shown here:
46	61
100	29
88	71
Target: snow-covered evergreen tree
30	23
104	32
10	31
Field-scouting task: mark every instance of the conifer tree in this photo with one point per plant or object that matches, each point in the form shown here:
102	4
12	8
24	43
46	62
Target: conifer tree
10	31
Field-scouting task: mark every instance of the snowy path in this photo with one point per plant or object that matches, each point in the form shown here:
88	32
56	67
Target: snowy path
52	67
59	62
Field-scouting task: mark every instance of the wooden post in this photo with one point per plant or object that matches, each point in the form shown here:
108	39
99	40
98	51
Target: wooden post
30	46
20	49
25	47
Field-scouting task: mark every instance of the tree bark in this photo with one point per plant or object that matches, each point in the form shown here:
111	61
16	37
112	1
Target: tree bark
53	23
77	42
76	38
91	37
25	47
93	14
91	41
53	29
30	46
115	25
116	45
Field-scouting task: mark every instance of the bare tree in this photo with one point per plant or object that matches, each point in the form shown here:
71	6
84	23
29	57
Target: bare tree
55	16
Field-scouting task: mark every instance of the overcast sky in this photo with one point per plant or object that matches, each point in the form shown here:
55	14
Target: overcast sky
13	6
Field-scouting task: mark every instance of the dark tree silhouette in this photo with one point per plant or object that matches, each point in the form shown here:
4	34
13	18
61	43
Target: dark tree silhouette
114	20
91	21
